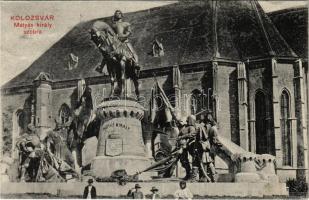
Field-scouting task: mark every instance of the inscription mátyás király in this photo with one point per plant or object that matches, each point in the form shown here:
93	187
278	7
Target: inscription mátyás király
115	124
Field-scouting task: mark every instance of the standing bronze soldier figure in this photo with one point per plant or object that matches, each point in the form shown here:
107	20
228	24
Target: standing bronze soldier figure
186	136
212	133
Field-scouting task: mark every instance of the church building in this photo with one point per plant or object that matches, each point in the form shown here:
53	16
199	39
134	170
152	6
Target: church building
225	57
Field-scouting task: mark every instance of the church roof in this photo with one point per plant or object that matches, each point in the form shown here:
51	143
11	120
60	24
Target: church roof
190	32
293	26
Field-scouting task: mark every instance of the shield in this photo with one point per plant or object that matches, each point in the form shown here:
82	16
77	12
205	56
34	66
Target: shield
113	147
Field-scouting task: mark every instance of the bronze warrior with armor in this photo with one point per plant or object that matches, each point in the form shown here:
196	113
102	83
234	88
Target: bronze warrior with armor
123	31
185	138
212	133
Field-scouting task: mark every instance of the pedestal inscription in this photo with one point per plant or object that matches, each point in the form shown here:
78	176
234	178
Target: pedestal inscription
120	143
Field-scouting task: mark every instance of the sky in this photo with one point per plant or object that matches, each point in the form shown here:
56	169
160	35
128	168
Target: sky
18	50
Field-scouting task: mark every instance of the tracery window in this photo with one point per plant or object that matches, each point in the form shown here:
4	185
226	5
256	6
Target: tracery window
198	102
286	129
265	143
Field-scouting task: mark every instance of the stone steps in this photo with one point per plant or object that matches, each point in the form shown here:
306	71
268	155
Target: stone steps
165	189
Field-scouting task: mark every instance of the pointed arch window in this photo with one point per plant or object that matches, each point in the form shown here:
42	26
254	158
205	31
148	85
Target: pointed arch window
286	129
263	126
20	123
198	99
64	113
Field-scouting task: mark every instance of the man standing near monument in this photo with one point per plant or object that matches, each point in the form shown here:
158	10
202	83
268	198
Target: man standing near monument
137	194
155	194
183	192
123	31
90	191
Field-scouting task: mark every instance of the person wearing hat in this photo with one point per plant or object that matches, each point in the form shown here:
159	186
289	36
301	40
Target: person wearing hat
155	194
183	192
137	194
90	191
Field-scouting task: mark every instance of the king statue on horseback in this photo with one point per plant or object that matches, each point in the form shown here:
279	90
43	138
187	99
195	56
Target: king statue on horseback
118	54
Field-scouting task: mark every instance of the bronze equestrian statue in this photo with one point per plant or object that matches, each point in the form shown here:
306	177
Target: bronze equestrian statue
118	54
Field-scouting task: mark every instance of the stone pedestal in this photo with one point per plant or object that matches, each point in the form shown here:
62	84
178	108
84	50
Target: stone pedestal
257	168
89	150
120	142
248	172
267	171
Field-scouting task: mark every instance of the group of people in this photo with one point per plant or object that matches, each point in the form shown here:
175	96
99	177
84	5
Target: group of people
38	162
198	140
135	193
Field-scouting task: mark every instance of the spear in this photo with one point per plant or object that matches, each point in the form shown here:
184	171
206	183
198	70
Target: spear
154	166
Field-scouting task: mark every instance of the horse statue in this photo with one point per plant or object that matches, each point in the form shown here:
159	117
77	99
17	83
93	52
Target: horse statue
116	56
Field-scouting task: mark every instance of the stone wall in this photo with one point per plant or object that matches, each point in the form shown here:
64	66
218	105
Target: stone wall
285	78
10	105
190	81
193	77
227	106
306	85
259	79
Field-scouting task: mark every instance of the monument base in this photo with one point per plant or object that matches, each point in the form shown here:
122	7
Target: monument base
120	142
247	177
104	166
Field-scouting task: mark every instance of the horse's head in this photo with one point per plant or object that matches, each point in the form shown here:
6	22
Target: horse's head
102	41
96	37
103	36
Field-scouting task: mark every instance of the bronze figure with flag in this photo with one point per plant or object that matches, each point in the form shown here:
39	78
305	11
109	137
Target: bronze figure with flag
162	113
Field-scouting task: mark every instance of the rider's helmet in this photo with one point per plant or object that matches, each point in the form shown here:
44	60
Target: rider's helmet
191	120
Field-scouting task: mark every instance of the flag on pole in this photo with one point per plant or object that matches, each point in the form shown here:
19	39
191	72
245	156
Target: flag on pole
160	106
153	105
